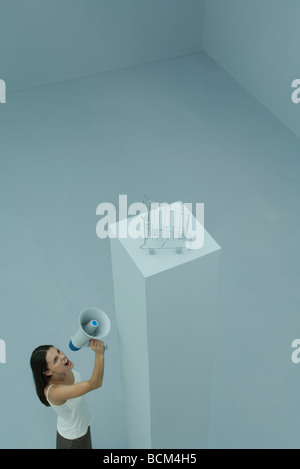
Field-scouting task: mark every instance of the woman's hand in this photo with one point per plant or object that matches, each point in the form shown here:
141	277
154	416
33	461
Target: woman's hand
97	346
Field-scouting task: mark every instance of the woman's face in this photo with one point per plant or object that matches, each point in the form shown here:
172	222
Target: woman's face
57	362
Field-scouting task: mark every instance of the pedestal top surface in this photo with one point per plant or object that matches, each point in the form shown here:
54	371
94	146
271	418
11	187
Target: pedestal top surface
162	259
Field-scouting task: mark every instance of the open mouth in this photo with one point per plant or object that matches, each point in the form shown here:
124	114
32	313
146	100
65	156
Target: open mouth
67	362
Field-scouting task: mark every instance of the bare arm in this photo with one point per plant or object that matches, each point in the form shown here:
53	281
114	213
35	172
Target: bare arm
98	372
62	392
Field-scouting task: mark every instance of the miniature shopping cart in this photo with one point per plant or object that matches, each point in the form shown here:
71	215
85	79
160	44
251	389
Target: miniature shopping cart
164	226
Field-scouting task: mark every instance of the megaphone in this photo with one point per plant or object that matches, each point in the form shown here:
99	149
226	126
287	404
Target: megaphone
93	324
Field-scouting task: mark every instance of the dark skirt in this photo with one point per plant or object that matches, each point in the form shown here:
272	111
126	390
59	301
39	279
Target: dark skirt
84	442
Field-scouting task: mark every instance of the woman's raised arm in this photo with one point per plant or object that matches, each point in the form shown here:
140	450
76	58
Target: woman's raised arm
60	393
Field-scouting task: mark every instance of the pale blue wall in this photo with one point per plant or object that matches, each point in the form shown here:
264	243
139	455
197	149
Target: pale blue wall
257	42
178	129
67	147
45	41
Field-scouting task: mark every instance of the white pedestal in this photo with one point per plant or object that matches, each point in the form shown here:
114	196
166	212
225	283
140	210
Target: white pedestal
166	314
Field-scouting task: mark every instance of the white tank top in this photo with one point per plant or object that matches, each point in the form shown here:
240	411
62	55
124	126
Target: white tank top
74	416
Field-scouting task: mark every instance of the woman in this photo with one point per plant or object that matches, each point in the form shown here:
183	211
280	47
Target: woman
59	386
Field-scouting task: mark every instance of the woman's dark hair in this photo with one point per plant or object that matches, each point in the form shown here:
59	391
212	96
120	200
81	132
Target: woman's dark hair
39	365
